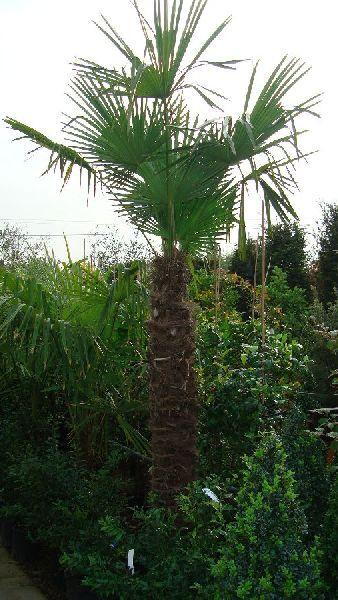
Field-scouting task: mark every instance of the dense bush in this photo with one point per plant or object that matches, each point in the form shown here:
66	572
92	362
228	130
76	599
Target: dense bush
245	266
306	458
286	306
56	499
285	248
330	541
173	551
243	389
264	555
322	344
80	342
219	293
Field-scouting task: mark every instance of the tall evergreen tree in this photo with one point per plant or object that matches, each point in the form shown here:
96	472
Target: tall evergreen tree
285	248
327	273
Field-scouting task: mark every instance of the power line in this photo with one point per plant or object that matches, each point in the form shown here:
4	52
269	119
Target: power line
39	222
22	235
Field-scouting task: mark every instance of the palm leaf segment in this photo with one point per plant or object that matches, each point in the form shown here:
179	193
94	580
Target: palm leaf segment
171	175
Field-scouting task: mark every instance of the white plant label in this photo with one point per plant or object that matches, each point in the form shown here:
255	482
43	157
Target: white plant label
210	494
131	561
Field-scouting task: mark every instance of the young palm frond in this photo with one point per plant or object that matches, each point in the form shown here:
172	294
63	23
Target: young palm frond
161	72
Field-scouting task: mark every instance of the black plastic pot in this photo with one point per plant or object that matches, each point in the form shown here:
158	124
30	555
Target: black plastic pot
75	590
6	533
23	549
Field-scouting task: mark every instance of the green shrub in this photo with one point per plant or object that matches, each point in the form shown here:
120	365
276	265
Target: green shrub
232	386
330	541
323	346
57	500
327	238
220	293
306	458
325	317
286	306
286	249
173	550
264	556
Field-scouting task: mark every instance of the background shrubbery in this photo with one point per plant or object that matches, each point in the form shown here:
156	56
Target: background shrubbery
74	437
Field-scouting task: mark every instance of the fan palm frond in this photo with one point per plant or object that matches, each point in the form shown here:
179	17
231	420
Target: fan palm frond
265	139
61	156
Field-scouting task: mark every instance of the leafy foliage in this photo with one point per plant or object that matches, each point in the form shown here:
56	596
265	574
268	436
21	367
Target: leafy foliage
322	342
306	458
220	294
246	263
264	554
235	377
15	248
95	512
327	427
330	539
74	496
288	306
285	249
164	541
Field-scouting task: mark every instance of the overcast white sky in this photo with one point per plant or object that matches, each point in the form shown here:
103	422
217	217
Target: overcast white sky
39	39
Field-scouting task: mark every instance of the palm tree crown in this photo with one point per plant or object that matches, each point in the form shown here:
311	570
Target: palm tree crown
172	175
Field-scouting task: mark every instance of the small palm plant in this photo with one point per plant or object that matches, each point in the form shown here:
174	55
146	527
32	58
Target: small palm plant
61	337
179	178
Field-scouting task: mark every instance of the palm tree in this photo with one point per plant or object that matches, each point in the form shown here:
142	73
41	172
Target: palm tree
179	178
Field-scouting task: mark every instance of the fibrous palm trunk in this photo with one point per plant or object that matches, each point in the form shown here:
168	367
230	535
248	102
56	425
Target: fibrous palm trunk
173	391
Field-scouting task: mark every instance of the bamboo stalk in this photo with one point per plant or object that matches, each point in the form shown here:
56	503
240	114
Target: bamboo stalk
217	279
255	280
263	276
263	299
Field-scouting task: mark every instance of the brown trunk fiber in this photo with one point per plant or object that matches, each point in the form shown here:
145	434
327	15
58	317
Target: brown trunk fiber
173	392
